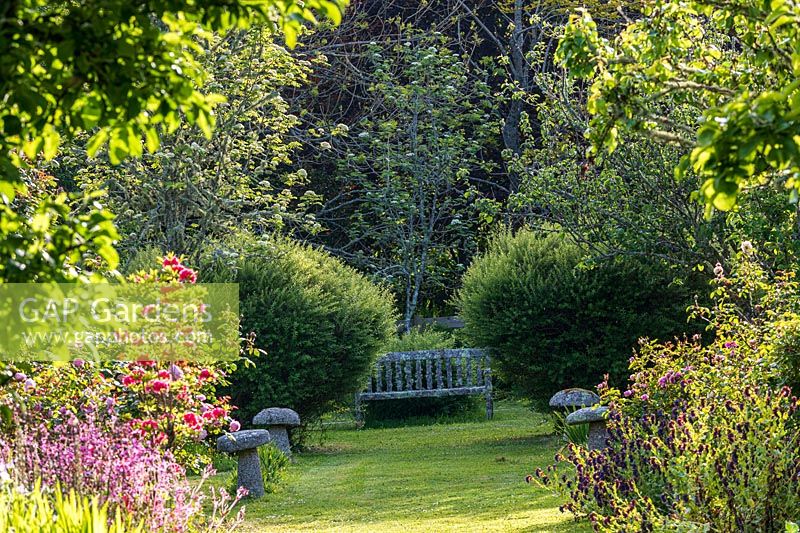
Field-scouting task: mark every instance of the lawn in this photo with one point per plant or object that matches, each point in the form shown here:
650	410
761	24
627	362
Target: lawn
444	477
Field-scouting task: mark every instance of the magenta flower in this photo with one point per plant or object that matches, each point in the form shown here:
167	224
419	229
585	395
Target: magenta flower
235	426
159	386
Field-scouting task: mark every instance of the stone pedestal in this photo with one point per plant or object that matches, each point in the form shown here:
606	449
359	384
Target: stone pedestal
596	418
245	444
279	420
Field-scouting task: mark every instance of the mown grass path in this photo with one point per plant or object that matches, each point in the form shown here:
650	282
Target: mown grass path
445	477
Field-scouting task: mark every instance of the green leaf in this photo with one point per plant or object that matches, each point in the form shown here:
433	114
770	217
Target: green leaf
7	191
96	142
290	34
152	140
32	147
204	122
118	146
51	142
91	113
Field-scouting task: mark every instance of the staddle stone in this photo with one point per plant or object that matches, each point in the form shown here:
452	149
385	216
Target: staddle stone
596	418
574	397
279	420
245	443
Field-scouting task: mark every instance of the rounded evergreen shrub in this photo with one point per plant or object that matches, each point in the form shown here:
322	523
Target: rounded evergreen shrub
320	322
552	324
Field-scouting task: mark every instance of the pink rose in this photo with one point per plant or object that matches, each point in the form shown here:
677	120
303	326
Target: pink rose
159	386
193	420
187	274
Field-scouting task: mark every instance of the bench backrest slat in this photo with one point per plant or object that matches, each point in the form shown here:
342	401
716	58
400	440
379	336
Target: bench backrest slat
428	374
449	363
398	376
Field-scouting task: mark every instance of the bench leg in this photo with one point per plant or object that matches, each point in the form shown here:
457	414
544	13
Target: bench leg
358	412
489	402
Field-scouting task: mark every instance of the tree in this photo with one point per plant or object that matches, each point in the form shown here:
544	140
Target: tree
411	208
627	204
126	71
192	189
717	79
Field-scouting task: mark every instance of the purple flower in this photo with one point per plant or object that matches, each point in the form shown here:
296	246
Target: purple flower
175	372
235	426
29	385
645	397
78	363
19	376
627	393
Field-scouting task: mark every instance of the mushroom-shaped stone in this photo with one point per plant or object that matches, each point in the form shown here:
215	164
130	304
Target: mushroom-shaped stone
573	398
245	443
279	420
596	418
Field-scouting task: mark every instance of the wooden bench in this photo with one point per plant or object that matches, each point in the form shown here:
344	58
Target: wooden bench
429	374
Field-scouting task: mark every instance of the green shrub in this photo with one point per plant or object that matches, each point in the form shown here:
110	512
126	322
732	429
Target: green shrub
320	322
274	464
423	410
420	339
552	324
